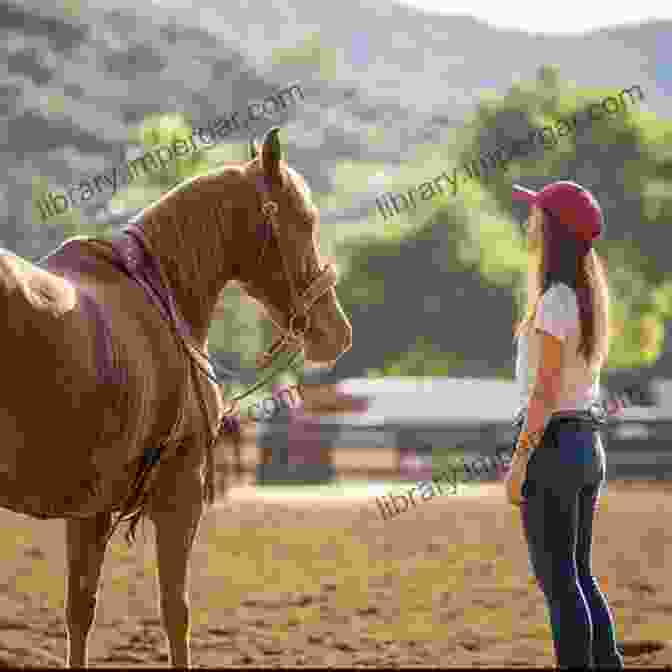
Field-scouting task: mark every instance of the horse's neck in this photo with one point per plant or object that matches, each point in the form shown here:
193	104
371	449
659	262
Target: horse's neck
191	271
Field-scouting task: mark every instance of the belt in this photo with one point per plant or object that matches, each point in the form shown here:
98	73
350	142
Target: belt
595	415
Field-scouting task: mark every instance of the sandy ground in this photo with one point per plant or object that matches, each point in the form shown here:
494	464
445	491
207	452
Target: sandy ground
307	583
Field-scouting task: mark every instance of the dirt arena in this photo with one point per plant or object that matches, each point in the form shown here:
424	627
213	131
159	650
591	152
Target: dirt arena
303	583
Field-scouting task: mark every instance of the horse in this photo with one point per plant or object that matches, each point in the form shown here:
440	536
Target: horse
110	404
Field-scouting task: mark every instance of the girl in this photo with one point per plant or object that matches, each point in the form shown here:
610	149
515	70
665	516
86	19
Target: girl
562	344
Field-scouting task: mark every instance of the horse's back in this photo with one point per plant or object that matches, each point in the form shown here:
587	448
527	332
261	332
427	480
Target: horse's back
29	293
48	382
42	331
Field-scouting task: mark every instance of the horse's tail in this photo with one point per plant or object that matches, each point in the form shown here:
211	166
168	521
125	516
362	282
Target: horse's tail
237	447
210	473
231	425
135	506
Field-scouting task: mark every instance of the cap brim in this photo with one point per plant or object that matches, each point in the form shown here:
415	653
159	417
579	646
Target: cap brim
523	194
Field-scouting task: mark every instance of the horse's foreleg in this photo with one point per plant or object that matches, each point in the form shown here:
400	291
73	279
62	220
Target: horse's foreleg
176	513
86	543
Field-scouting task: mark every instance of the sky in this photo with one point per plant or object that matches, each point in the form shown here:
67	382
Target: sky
567	17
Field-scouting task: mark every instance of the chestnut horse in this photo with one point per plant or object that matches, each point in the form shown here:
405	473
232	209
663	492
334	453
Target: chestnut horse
109	403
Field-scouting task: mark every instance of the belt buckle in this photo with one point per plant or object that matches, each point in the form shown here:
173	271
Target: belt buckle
598	413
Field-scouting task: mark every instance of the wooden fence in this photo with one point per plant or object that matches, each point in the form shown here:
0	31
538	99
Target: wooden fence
635	448
365	461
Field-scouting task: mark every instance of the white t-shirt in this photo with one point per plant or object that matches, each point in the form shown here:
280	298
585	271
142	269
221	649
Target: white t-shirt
558	315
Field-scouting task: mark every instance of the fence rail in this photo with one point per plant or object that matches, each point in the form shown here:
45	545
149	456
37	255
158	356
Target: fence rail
636	449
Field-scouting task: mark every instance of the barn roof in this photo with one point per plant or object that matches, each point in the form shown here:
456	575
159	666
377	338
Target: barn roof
458	401
433	400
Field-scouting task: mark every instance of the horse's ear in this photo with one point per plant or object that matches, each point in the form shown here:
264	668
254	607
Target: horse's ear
253	148
271	155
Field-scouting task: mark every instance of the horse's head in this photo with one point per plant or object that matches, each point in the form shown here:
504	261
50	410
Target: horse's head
282	267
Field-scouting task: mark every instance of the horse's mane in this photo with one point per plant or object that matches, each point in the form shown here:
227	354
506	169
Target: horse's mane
193	211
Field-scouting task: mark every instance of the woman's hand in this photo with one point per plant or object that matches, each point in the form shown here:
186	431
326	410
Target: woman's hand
523	443
526	441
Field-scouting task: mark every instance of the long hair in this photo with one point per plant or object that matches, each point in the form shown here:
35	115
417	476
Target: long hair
555	256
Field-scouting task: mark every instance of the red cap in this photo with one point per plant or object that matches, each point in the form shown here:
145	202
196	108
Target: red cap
573	205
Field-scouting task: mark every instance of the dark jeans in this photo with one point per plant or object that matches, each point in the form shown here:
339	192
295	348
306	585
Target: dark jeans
564	477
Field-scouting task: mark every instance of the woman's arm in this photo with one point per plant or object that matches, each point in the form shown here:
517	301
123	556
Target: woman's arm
544	396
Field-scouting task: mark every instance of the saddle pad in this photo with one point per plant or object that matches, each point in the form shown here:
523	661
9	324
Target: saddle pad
66	261
133	257
127	252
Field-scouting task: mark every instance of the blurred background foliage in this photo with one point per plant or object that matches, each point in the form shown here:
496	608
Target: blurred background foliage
624	159
452	269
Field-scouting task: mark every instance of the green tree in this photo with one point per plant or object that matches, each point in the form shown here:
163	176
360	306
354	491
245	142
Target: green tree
427	282
623	158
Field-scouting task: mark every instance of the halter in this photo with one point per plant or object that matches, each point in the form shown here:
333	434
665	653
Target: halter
301	303
293	336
